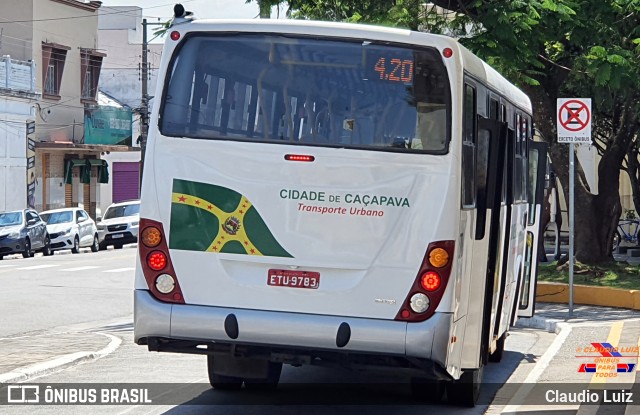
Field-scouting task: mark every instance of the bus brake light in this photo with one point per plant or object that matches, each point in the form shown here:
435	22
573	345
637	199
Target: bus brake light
298	157
430	281
157	260
175	35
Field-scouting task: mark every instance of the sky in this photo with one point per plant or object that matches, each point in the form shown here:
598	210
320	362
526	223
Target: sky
209	9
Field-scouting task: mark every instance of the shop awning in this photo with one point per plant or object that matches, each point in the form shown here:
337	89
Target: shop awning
85	166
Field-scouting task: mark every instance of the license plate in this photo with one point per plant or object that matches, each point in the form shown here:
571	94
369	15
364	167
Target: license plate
293	279
117	235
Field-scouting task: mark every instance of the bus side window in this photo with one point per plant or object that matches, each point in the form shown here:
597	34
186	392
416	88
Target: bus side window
517	162
468	148
494	109
482	163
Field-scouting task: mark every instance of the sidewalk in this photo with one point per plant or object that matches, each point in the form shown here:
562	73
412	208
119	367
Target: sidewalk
548	315
25	357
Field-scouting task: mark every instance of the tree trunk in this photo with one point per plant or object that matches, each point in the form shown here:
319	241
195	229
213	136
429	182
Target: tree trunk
632	163
598	215
265	9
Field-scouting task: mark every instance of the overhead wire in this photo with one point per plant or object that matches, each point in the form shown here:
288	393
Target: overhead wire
125	12
15	42
130	13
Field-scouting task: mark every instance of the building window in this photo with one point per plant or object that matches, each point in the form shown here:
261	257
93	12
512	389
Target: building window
90	65
88	90
49	83
53	59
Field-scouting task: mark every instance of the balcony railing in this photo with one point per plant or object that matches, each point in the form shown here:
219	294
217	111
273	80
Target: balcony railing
17	76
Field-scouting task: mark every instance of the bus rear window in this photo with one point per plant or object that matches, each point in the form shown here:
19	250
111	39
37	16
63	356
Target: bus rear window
309	91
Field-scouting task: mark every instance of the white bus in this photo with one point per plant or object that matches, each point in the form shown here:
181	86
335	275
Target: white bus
328	193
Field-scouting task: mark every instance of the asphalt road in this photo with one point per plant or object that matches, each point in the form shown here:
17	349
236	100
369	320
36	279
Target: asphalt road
91	293
41	293
189	392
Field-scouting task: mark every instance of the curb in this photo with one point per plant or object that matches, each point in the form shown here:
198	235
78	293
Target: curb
537	322
554	292
61	362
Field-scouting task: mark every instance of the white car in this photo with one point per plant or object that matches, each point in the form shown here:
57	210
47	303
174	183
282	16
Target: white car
119	225
71	228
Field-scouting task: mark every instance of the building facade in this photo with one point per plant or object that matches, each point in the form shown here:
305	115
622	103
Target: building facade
61	38
17	152
120	35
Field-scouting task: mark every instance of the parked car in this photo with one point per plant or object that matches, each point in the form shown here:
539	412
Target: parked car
119	225
71	228
23	231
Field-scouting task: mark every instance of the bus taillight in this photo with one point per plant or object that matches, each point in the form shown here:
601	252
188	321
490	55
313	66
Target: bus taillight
430	283
157	260
156	263
151	236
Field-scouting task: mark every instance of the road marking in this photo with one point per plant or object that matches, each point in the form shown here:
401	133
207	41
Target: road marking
120	269
7	265
80	268
538	369
41	266
613	339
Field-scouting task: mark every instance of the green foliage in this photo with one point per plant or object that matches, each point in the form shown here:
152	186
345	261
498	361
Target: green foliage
613	275
550	48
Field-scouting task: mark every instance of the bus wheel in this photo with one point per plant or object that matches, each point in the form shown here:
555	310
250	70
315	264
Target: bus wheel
429	391
465	392
269	383
496	356
221	382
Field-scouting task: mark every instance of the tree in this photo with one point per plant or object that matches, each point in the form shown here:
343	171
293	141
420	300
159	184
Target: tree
551	49
567	48
265	7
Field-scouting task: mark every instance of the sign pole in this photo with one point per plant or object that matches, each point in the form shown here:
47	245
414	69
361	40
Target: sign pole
571	233
574	126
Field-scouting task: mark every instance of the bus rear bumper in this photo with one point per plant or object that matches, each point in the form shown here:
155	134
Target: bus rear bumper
157	320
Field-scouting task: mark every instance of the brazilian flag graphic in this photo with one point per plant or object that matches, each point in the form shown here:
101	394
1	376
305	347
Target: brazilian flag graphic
206	217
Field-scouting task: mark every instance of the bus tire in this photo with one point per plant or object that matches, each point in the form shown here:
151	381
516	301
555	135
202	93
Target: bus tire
466	390
269	383
428	391
221	382
496	356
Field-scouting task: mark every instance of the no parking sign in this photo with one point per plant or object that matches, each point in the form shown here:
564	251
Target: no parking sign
574	120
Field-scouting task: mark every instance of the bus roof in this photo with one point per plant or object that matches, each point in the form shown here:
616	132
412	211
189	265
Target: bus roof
480	70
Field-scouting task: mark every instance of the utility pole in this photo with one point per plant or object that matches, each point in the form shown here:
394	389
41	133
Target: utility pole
144	103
